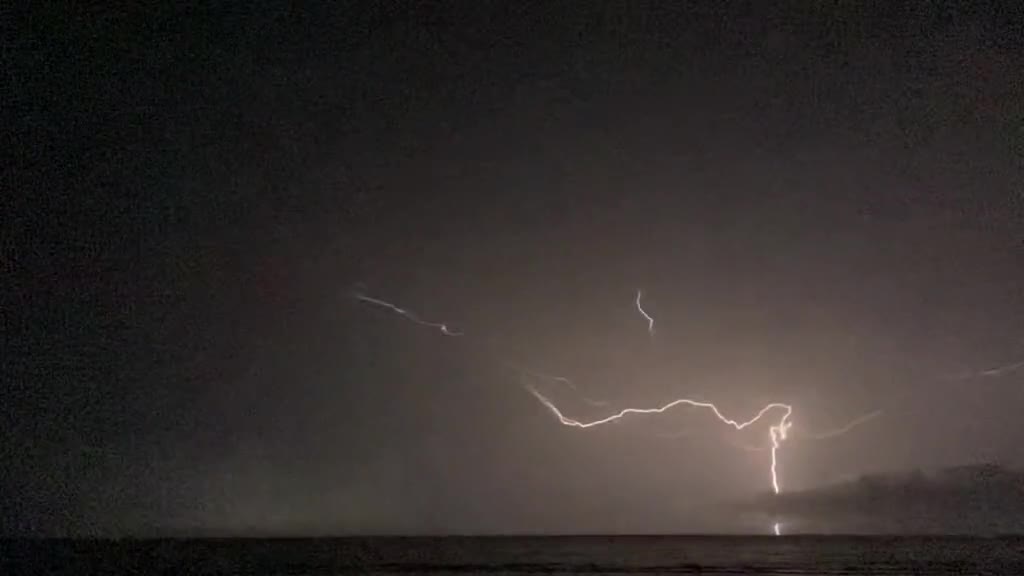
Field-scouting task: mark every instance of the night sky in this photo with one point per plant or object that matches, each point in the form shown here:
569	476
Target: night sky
823	204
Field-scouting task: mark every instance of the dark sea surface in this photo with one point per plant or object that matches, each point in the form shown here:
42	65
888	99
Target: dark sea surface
521	555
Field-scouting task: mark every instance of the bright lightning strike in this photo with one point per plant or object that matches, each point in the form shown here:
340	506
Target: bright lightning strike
408	315
650	321
777	432
796	433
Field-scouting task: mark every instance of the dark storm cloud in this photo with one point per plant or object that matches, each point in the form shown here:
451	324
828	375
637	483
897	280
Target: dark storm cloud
820	203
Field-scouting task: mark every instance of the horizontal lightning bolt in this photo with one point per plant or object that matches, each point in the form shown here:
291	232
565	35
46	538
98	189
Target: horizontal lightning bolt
777	432
798	434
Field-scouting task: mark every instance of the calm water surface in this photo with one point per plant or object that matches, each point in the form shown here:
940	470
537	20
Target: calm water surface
515	555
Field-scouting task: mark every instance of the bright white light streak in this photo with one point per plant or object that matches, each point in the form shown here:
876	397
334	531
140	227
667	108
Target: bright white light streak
797	433
408	315
650	321
777	432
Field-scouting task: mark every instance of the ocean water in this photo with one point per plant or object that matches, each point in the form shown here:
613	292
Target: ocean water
761	556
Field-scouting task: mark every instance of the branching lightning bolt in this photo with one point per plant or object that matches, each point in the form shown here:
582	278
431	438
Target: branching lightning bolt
798	434
650	321
408	315
777	432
